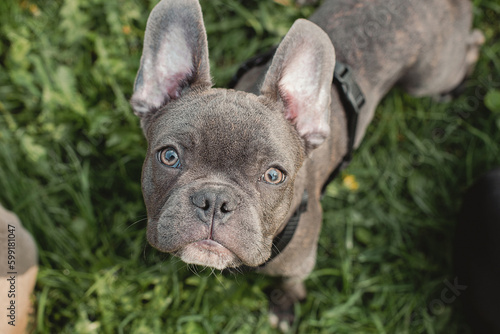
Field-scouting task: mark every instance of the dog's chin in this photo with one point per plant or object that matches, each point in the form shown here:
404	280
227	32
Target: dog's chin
209	253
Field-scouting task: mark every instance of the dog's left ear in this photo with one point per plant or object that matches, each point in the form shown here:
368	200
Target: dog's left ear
300	77
174	58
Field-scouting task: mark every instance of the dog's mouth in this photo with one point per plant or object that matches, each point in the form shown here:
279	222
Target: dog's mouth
209	253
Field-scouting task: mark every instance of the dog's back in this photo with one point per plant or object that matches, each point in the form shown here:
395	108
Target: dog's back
426	46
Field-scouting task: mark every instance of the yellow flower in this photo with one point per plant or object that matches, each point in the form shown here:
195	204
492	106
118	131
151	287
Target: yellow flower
126	29
283	2
34	9
350	182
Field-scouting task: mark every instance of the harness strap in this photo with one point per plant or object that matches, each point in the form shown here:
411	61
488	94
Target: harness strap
282	239
352	99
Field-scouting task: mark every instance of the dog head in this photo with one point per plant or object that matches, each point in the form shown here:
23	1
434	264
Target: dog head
218	178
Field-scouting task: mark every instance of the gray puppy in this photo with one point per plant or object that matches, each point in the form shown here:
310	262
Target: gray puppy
226	170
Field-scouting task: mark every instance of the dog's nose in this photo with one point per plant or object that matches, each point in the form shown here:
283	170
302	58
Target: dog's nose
214	204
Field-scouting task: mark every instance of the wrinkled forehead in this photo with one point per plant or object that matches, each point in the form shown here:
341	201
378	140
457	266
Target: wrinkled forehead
235	124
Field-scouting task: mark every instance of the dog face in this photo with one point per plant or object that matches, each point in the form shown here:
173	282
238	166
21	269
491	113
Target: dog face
214	199
218	179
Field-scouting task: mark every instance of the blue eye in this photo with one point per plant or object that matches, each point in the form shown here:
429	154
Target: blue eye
169	157
273	176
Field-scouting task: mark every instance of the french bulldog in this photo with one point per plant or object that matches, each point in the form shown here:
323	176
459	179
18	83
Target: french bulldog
225	170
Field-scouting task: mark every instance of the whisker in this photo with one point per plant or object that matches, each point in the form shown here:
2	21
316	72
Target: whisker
137	222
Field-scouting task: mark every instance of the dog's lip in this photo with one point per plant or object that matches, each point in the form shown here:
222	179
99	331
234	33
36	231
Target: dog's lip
212	246
208	252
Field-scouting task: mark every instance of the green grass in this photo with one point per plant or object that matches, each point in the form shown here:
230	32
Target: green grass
70	159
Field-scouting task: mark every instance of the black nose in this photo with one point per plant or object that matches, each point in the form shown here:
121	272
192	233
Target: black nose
214	203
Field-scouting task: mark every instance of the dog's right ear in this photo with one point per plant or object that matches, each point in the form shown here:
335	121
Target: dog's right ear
174	58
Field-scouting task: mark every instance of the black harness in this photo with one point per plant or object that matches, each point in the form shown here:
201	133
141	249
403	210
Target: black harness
352	99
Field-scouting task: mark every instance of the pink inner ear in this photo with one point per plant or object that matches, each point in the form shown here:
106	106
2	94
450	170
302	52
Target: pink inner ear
174	84
175	63
296	87
165	72
306	98
290	105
